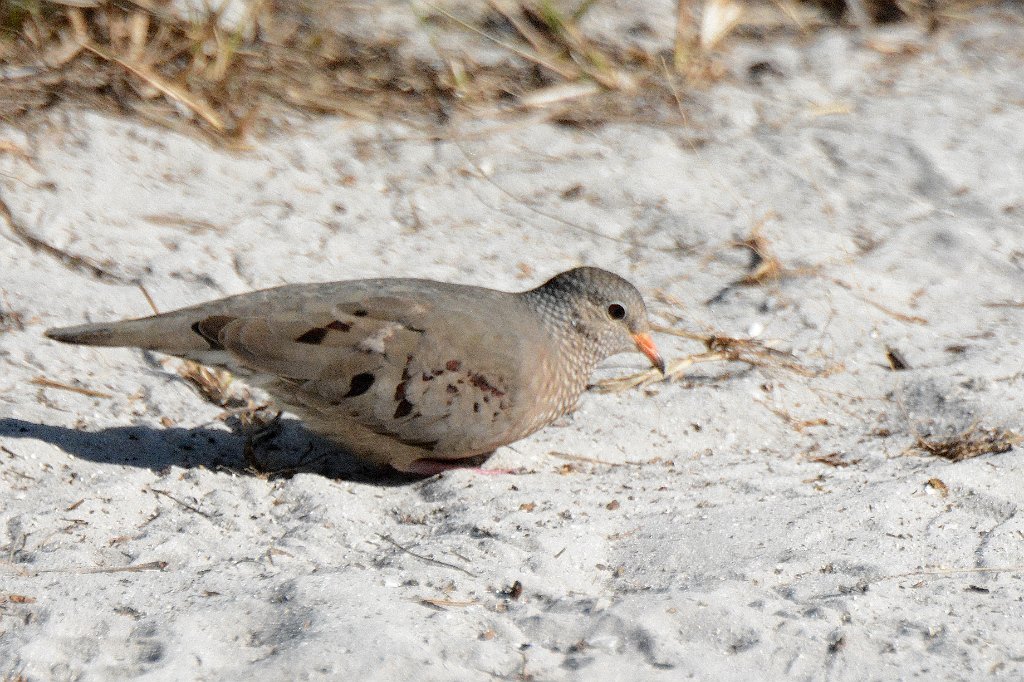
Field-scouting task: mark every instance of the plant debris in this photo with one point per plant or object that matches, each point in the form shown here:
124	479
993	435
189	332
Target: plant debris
897	362
10	320
719	349
225	78
968	444
833	459
214	385
764	265
50	383
939	486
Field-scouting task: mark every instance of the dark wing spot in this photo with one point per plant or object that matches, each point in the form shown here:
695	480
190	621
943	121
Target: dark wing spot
360	313
481	382
453	365
313	336
403	409
210	328
400	391
361	383
476	407
339	326
452	389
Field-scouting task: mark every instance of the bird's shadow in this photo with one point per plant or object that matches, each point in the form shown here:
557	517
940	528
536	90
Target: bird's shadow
291	449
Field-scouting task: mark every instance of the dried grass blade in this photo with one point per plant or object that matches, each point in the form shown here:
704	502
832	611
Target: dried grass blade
563	70
200	108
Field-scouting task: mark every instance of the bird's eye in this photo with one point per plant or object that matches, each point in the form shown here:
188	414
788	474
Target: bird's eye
616	311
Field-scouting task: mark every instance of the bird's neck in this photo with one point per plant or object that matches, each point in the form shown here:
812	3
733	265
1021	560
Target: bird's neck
579	349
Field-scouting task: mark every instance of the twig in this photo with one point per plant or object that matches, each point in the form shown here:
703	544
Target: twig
421	557
134	568
652	376
591	460
149	299
1019	568
532	36
719	348
200	108
1003	304
588	460
186	505
442	603
50	383
902	317
538	59
798	425
70	260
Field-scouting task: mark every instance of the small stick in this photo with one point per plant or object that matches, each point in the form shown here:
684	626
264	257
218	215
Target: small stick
421	557
441	603
149	299
581	458
199	107
902	317
50	383
532	36
1019	568
134	568
651	376
1003	304
564	72
69	259
590	460
186	505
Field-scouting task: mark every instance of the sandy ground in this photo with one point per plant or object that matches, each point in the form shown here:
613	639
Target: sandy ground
737	523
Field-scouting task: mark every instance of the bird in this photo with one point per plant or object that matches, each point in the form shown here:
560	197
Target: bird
417	374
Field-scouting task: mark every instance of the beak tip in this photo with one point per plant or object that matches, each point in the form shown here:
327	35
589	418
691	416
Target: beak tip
645	345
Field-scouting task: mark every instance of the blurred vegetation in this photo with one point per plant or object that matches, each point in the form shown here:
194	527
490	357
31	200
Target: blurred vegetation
230	77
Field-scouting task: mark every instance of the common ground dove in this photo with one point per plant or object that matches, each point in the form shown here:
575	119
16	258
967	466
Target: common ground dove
412	373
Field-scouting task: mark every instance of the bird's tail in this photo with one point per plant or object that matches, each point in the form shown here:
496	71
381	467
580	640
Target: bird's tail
170	333
102	334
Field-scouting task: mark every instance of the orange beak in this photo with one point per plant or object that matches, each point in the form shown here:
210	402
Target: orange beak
645	344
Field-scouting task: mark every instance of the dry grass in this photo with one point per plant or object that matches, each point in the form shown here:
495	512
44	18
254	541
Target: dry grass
213	385
228	79
718	349
970	443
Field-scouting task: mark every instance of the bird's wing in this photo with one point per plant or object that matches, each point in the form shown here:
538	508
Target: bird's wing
368	364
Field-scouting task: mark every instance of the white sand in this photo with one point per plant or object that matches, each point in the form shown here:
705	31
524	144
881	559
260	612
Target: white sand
731	555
